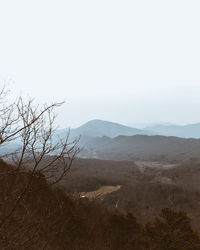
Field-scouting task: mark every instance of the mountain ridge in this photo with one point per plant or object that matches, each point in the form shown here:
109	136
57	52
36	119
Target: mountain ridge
100	128
164	148
183	131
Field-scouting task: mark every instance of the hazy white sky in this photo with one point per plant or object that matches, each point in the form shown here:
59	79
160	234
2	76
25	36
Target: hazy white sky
125	61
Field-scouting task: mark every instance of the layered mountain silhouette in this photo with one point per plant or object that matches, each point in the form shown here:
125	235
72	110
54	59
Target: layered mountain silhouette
184	131
113	141
99	128
142	147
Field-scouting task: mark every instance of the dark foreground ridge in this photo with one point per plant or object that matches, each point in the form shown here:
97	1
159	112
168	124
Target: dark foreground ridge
47	218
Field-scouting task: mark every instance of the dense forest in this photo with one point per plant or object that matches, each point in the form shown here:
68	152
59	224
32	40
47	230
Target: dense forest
47	218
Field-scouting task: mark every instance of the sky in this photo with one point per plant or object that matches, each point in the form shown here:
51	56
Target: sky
119	60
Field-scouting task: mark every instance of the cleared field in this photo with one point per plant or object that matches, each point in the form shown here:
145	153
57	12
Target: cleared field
100	192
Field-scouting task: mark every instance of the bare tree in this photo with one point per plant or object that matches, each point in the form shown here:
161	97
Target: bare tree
40	151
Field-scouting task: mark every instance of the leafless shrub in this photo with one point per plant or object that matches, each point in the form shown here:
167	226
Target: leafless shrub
39	151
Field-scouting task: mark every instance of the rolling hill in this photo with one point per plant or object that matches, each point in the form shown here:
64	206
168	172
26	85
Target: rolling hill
160	148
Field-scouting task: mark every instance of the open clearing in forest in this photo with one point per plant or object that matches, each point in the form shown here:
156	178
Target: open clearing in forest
100	192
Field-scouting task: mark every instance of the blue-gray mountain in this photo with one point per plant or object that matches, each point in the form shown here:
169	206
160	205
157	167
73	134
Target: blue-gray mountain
184	131
112	141
99	128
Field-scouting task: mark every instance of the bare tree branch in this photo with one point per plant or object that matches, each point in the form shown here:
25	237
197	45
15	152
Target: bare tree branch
40	151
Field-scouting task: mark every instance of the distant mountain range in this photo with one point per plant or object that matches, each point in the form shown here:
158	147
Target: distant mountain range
184	131
113	141
99	128
142	147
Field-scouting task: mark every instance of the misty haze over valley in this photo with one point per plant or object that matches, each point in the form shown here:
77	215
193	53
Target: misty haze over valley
100	125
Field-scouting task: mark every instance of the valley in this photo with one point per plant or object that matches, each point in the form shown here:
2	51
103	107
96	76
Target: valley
145	187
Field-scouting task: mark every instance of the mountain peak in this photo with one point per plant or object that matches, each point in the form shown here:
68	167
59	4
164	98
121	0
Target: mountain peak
99	128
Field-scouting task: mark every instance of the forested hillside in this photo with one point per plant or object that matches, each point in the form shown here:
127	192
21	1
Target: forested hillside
152	148
46	218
